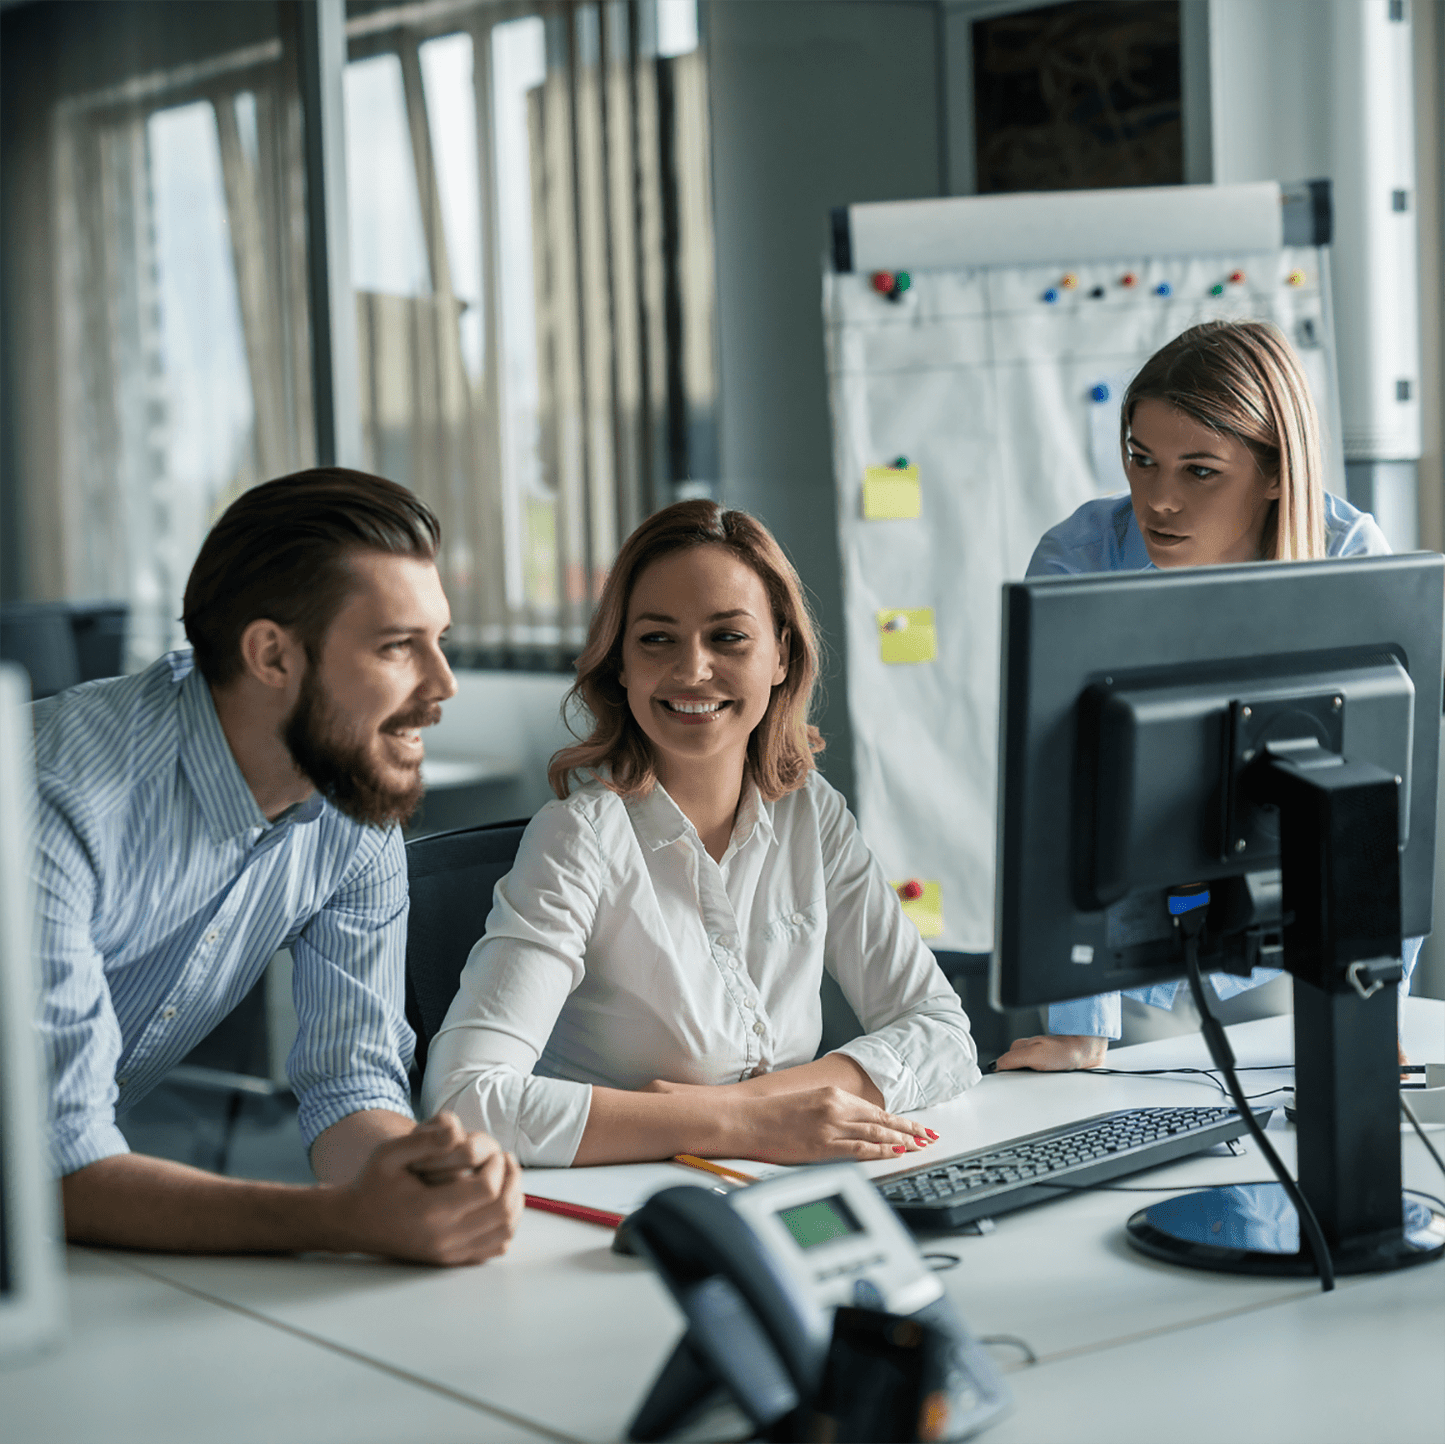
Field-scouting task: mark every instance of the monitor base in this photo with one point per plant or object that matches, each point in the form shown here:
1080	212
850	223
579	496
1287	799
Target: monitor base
1253	1229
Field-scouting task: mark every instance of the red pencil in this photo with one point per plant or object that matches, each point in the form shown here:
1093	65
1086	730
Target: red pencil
574	1210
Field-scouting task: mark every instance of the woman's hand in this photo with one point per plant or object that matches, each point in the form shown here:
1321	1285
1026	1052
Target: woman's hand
1054	1053
814	1125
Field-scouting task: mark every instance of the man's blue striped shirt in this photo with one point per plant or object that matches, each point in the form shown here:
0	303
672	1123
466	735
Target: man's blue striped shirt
162	893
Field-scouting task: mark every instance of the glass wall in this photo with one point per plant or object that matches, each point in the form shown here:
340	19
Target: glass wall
530	243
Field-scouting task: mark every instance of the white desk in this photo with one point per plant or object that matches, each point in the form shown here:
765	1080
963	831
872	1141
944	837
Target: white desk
561	1338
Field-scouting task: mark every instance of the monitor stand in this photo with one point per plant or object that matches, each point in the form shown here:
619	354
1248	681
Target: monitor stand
1341	891
1348	1127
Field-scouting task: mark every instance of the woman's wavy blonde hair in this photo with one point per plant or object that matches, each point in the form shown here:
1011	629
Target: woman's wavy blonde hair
616	751
1242	378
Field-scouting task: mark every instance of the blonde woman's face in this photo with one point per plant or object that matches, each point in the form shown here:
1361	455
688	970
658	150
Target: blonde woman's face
700	658
1199	497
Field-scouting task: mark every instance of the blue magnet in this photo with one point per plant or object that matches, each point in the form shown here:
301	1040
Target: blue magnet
1051	295
1163	289
1099	392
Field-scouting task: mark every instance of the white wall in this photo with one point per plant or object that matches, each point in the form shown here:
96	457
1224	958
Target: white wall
513	716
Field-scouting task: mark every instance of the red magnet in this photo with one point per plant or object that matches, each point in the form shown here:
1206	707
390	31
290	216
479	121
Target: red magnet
911	890
1236	278
883	282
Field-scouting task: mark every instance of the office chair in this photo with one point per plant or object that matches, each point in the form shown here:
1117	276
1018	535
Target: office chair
451	875
38	636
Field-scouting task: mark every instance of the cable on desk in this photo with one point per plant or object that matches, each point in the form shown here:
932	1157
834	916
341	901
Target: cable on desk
1207	1074
1424	1137
1190	924
1420	1193
1014	1342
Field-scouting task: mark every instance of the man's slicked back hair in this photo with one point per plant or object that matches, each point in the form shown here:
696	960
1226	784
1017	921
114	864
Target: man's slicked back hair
280	552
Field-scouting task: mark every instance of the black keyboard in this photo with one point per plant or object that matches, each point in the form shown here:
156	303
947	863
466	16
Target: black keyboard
1094	1150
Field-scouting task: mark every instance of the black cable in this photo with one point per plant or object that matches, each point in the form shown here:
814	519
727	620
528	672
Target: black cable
1420	1193
941	1262
1190	924
1148	1187
1418	1127
1014	1342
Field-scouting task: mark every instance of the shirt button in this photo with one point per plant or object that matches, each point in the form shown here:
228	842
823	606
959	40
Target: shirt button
800	917
758	1028
212	935
749	1004
168	1013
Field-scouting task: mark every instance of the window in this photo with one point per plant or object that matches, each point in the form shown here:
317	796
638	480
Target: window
531	244
531	255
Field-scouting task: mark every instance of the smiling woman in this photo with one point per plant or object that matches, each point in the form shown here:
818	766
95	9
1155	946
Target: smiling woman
649	979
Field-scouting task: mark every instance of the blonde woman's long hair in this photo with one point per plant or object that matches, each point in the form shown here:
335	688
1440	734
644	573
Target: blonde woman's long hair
616	750
1242	378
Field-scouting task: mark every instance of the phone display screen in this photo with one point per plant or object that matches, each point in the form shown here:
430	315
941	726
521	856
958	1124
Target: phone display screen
820	1221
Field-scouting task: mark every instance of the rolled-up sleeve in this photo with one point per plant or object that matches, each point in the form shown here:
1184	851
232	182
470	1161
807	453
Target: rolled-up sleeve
353	1044
519	975
918	1048
79	1029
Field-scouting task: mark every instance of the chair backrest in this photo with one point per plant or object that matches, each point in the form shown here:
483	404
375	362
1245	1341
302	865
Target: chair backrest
38	636
451	875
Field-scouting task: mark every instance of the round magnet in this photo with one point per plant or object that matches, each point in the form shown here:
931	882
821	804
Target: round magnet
1051	295
1236	278
1216	289
1128	279
1069	281
1296	278
1099	392
911	890
1096	293
882	282
901	282
1163	289
896	624
900	463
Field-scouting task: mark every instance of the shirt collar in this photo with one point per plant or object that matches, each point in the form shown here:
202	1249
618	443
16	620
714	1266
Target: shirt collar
659	821
227	803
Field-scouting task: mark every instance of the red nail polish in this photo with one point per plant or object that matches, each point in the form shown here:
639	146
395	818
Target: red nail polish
931	1134
921	1142
899	1148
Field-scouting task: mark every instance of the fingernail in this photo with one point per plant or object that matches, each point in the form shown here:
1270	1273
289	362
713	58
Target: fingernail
931	1134
921	1142
899	1148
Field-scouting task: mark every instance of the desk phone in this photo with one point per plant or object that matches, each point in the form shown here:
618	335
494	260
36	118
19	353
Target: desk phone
808	1302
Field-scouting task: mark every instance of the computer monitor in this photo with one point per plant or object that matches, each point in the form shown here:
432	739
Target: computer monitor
31	1263
1270	731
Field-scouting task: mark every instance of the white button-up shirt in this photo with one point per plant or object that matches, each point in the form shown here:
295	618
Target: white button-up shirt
617	951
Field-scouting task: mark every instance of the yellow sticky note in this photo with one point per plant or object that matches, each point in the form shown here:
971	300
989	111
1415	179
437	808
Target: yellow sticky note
925	911
907	636
891	493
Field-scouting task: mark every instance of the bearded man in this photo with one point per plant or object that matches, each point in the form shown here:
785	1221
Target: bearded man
238	798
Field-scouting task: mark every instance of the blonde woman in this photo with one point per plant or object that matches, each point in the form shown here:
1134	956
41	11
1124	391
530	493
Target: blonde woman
1222	452
648	980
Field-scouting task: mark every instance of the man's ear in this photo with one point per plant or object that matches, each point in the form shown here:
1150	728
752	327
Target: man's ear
785	638
270	654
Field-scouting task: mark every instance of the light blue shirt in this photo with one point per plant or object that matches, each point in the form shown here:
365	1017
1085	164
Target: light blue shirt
1103	536
162	893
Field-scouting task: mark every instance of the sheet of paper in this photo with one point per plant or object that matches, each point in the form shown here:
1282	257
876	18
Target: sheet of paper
907	636
625	1187
924	911
891	493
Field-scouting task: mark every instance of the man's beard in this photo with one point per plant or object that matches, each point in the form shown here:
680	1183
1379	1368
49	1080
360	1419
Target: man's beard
342	767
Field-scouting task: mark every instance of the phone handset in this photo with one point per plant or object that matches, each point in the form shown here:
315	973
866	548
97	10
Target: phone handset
794	1290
